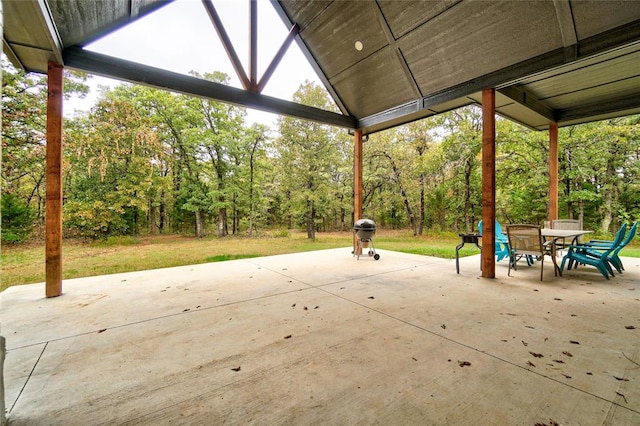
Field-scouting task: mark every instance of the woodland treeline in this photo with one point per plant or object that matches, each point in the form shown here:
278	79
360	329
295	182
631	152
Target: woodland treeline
146	161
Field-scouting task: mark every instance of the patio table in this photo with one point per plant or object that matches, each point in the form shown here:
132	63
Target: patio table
553	235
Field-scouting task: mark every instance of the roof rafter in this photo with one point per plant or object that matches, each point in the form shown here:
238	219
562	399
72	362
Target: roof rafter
226	43
109	66
523	97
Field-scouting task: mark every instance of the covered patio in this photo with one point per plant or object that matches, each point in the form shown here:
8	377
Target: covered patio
321	337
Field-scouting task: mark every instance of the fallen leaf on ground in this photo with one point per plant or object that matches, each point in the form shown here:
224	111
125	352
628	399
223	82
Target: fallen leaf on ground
559	361
371	297
575	342
622	379
236	369
102	331
463	363
529	363
524	343
629	327
551	423
537	355
288	336
567	353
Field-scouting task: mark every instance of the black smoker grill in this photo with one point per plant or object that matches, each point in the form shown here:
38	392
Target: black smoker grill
365	229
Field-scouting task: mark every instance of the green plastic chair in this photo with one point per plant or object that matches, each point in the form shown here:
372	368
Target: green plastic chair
577	254
596	248
502	242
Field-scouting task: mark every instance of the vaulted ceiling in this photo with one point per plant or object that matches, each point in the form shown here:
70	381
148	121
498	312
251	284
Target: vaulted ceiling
389	62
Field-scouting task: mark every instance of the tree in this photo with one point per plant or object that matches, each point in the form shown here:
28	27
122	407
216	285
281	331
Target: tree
24	114
113	159
309	156
221	131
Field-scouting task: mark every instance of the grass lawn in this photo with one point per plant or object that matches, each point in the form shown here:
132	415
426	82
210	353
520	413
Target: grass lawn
24	264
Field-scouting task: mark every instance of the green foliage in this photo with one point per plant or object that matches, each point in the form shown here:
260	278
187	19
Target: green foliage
17	219
224	257
312	168
24	103
146	161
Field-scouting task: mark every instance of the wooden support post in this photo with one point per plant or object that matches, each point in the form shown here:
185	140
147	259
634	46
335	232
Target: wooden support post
553	172
488	182
253	45
357	181
53	213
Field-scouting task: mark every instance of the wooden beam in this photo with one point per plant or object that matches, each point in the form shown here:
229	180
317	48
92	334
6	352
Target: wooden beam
226	43
553	172
253	45
109	66
357	181
488	182
293	32
53	208
527	99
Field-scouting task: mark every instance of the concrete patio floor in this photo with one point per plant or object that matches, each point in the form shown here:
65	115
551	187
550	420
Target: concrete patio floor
321	338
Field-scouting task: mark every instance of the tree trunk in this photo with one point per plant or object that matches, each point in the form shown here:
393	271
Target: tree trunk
467	196
162	213
608	207
310	219
405	197
422	203
199	224
223	230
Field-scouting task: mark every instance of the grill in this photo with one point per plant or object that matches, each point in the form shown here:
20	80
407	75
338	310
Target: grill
365	229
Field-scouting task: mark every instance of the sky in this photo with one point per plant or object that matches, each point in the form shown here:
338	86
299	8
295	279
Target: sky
180	37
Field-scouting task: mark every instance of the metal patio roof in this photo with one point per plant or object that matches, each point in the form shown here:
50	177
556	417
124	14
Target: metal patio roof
564	61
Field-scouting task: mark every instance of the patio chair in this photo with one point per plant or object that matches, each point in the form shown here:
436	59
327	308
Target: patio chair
526	241
597	247
578	254
565	224
622	229
501	242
